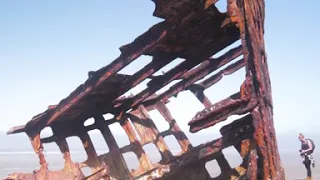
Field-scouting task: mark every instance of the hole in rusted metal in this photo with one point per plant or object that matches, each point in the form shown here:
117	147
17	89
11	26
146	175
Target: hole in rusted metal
138	88
169	66
152	152
119	134
131	160
108	116
224	76
233	157
86	171
76	148
136	65
222	6
159	121
212	132
53	156
229	85
185	106
231	46
173	144
229	120
46	132
213	168
89	122
98	142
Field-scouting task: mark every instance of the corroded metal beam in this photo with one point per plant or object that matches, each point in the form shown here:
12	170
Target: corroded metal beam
200	72
206	151
193	30
249	17
237	104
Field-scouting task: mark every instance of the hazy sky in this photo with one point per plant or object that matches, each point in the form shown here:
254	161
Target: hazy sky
47	48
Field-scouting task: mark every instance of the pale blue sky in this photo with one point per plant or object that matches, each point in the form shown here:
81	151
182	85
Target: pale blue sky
47	48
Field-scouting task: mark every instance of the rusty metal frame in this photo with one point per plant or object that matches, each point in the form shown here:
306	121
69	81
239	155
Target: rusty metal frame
195	31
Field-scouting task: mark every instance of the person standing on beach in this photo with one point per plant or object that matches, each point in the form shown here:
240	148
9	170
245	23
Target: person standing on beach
307	148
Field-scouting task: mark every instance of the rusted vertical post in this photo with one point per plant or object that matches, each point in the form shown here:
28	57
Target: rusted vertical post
252	171
249	16
119	162
148	131
224	166
177	132
144	161
64	148
92	160
38	149
68	164
244	149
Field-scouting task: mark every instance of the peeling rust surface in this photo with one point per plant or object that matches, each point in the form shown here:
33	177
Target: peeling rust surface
195	31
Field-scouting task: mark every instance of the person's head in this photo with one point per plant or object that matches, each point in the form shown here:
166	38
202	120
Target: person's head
301	137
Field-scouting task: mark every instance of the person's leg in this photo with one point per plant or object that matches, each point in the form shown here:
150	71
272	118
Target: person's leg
309	153
307	164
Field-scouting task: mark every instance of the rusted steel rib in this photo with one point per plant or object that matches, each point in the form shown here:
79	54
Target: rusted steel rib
214	63
193	30
198	73
227	37
237	104
147	71
174	128
227	71
220	112
198	89
203	70
205	151
156	84
114	67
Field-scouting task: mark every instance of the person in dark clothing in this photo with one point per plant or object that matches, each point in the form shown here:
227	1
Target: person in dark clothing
306	152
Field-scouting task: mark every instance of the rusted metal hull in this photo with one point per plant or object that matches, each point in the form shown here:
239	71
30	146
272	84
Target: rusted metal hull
194	30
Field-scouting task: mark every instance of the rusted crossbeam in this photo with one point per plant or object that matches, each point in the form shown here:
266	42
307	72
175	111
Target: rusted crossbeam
156	84
200	72
206	151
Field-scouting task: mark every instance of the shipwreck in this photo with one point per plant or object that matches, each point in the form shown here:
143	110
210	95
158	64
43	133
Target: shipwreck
194	30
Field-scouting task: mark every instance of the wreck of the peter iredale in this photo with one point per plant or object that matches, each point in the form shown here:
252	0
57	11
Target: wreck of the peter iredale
193	30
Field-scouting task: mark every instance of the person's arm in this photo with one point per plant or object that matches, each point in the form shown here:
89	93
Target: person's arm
309	145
